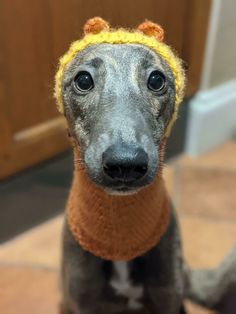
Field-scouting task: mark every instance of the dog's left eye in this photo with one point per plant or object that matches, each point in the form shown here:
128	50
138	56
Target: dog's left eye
156	81
83	81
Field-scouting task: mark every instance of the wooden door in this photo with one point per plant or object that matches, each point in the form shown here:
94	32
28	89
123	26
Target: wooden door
30	128
33	34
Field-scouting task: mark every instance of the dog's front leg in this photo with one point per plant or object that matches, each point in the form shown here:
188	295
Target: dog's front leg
82	280
164	272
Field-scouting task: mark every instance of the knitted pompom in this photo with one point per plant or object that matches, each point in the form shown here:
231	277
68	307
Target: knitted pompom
95	26
152	29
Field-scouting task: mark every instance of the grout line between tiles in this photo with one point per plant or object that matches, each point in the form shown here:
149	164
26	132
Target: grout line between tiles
29	231
28	265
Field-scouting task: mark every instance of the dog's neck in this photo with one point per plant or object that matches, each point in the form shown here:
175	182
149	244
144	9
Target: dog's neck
116	227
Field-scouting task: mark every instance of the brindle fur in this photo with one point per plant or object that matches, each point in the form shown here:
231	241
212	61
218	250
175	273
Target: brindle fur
121	109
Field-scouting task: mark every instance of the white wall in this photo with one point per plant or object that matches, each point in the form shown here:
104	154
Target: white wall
212	112
220	55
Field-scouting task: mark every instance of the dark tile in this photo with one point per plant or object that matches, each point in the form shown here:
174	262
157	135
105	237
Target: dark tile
34	196
176	141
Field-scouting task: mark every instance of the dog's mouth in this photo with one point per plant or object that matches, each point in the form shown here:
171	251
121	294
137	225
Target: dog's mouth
123	190
123	187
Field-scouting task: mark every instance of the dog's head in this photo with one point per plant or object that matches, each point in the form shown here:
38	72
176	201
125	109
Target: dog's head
120	93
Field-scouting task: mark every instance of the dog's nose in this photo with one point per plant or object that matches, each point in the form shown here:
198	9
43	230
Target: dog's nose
125	163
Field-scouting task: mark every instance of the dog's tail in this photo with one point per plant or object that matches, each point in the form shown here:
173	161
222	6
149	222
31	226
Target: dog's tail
214	288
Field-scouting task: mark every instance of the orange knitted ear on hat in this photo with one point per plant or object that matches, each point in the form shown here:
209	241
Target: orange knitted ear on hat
152	29
95	26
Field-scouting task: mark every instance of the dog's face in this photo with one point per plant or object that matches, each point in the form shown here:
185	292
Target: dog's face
118	100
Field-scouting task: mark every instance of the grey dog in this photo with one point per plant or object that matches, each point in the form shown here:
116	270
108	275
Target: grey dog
120	108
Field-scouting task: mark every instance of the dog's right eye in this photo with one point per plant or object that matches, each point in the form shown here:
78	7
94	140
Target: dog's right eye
156	81
83	81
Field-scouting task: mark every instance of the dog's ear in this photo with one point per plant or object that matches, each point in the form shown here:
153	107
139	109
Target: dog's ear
95	26
152	29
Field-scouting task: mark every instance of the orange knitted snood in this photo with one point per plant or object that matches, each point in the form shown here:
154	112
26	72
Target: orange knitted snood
116	227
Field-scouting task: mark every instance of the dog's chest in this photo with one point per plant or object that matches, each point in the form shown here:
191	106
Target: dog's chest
122	284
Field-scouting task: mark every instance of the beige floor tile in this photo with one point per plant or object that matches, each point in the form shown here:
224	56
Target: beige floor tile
195	309
206	242
28	291
39	246
207	193
223	157
206	186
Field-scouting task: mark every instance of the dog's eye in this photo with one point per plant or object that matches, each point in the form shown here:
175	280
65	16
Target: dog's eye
156	81
83	81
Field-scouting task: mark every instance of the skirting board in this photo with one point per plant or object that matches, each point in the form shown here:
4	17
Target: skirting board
212	118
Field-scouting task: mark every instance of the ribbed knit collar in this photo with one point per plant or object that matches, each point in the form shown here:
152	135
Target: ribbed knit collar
116	227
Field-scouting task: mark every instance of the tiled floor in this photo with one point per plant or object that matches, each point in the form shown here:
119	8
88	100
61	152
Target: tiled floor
21	195
203	190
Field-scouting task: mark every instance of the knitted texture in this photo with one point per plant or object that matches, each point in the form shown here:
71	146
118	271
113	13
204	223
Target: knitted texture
95	25
101	34
116	227
152	29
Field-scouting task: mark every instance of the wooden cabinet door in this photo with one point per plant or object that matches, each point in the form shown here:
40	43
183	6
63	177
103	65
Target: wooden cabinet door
30	128
33	34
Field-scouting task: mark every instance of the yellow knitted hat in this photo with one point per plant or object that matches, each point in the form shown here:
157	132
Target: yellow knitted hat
97	31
